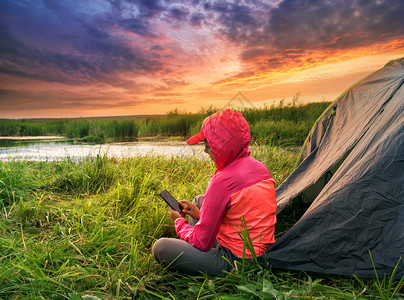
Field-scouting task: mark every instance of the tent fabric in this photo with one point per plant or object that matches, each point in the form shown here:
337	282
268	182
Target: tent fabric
352	173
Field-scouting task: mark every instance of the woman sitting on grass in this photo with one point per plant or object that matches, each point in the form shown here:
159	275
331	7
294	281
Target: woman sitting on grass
241	187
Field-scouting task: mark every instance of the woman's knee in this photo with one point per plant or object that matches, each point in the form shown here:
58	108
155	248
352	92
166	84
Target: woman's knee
169	249
159	248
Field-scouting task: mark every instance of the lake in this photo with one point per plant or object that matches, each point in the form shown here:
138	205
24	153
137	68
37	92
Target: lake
54	148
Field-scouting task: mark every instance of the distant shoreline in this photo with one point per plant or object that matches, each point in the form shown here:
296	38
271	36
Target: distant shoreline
85	118
32	137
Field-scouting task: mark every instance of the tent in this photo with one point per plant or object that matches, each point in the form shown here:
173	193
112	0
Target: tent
350	185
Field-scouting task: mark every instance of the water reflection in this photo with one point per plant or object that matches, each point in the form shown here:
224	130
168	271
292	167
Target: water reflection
57	150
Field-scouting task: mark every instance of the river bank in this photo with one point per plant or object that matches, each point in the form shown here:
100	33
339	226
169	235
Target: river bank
53	149
72	229
31	138
80	228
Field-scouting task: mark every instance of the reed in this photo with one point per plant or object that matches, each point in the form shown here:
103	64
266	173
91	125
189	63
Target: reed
276	125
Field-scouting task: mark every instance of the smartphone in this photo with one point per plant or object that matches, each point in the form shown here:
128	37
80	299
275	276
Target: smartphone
167	197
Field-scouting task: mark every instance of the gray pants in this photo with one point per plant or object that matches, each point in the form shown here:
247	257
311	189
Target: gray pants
184	257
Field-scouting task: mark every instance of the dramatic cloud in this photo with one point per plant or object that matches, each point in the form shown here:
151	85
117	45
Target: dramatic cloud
279	36
151	51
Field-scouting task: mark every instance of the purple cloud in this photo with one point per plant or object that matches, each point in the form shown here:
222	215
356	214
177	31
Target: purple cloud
274	32
141	45
70	47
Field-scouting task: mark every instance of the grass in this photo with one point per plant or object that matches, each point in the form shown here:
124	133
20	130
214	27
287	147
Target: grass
85	230
288	125
87	227
384	288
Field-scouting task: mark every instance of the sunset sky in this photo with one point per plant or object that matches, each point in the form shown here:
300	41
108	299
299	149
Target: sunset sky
75	58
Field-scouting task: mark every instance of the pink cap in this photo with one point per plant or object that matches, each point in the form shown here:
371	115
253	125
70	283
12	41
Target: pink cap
199	137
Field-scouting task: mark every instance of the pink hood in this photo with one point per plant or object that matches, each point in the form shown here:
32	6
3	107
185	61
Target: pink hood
228	135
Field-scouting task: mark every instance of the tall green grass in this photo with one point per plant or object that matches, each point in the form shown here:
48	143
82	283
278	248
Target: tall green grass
276	124
88	227
283	125
16	182
71	229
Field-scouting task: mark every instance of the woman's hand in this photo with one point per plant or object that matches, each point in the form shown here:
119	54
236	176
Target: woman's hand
190	209
175	214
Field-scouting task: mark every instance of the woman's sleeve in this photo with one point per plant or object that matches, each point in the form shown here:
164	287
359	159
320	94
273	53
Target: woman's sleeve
203	234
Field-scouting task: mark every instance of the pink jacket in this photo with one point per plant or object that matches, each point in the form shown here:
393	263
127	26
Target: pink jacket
241	186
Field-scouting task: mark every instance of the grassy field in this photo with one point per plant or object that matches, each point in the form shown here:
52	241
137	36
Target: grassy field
85	231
